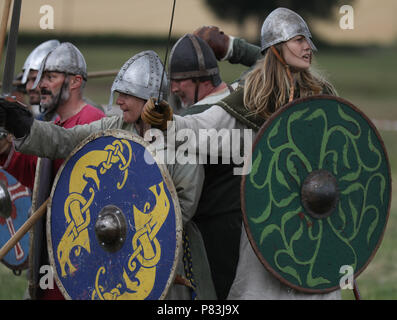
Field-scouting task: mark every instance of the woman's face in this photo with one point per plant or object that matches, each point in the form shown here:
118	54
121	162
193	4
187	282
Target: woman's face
297	53
131	106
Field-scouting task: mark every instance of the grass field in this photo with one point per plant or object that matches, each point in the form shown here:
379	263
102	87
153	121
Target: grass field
367	78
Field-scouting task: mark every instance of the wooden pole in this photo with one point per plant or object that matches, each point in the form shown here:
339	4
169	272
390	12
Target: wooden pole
3	25
100	74
29	223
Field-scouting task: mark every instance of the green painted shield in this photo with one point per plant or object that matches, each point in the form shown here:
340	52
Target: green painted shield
309	251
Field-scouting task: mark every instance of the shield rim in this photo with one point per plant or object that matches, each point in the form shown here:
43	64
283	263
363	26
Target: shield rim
259	134
118	133
32	283
25	264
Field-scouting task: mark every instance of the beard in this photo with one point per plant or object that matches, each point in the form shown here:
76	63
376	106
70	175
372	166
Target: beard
184	103
56	98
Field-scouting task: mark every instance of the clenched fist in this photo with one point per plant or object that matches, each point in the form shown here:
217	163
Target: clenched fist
157	116
216	39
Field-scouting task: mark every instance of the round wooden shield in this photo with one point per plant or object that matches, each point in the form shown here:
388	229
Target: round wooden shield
17	258
114	223
317	198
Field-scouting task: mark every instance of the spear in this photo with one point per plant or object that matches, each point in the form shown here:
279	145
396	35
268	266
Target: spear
29	223
9	67
3	26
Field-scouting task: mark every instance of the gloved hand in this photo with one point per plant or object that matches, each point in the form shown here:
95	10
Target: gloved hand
216	39
15	117
157	116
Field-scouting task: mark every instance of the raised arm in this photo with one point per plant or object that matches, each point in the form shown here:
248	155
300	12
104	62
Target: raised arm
54	142
225	47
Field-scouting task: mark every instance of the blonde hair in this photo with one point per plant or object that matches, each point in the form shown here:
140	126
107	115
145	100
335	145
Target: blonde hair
267	86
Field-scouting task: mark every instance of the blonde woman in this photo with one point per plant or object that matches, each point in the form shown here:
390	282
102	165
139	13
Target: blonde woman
282	75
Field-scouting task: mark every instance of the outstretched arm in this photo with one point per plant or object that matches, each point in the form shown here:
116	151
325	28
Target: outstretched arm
51	141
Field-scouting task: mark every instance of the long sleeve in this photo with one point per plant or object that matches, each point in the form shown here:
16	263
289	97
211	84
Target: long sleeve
188	180
54	142
216	133
244	53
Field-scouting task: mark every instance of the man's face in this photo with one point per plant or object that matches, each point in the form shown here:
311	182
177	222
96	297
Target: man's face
50	86
34	95
131	106
185	89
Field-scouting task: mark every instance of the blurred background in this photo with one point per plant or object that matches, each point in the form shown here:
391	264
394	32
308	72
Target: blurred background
361	62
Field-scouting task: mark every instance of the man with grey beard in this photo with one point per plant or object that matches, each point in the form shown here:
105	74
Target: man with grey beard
30	70
61	80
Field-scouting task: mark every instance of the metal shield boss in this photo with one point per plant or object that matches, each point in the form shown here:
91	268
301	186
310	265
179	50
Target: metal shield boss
15	203
317	198
114	223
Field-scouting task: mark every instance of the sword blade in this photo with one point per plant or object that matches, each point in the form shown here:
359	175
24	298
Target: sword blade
9	67
166	53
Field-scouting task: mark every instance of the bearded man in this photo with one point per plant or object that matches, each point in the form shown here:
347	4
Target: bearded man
61	80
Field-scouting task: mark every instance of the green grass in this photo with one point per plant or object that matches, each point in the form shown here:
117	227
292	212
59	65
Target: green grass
366	78
379	280
12	287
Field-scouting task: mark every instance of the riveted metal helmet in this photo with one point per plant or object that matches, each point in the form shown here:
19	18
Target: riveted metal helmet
191	57
282	25
140	76
64	58
33	61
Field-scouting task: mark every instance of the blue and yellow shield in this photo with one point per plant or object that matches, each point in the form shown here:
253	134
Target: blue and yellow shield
20	201
114	222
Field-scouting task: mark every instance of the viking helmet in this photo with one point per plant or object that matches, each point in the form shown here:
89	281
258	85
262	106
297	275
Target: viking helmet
191	57
140	76
33	61
282	25
65	58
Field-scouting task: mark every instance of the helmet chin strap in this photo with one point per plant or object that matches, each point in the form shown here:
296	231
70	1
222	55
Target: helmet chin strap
196	90
287	69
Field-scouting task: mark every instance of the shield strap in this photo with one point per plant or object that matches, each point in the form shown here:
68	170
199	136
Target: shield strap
234	105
